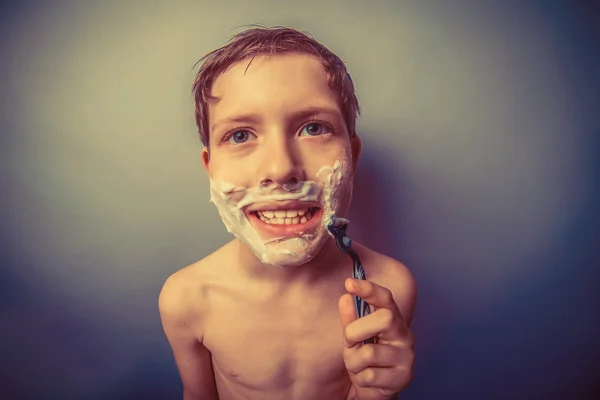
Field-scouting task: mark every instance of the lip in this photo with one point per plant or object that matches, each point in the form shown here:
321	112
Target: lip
283	230
282	205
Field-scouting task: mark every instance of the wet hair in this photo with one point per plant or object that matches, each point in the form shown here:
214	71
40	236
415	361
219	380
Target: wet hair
256	41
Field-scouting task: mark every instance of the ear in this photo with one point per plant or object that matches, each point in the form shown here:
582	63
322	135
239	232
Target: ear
356	146
205	158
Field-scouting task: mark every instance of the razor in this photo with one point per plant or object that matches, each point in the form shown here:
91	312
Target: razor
337	228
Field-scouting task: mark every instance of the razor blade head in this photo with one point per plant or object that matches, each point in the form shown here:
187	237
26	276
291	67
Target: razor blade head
338	227
341	223
336	231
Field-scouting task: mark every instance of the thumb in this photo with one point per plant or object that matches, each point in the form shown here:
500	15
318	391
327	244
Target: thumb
347	311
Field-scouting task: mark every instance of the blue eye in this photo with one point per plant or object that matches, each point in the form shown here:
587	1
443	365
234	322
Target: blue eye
240	136
316	129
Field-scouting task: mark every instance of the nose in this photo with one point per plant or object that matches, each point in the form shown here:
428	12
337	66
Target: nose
280	164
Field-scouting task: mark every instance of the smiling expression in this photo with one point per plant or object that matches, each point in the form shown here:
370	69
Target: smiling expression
280	159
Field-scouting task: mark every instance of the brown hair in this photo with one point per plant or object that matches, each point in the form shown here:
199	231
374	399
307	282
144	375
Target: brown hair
274	40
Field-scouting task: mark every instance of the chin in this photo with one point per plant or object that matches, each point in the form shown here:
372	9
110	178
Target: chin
289	261
293	252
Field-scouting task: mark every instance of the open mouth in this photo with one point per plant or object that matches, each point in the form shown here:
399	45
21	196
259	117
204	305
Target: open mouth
288	222
286	217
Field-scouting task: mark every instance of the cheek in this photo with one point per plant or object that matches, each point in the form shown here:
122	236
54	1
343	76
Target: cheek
319	156
230	170
346	190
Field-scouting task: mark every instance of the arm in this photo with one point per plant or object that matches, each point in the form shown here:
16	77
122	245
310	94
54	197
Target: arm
192	358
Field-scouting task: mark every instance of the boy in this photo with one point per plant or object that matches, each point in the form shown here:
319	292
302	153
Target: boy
270	315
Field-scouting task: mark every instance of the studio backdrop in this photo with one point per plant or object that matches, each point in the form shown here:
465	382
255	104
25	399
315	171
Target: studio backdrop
478	126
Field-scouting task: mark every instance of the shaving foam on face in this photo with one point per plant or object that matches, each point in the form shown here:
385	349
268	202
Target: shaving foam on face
337	180
334	183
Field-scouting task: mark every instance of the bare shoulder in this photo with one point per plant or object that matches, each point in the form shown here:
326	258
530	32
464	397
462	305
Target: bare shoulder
392	274
180	300
180	290
183	310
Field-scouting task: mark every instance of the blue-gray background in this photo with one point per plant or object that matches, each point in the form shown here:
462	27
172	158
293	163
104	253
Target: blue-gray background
479	125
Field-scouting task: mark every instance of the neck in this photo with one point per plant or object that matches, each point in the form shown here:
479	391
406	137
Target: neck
325	264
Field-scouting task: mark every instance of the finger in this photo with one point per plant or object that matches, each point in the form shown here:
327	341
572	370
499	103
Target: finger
382	299
374	294
379	355
380	323
393	379
347	313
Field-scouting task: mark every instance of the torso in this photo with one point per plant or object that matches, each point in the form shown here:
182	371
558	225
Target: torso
269	344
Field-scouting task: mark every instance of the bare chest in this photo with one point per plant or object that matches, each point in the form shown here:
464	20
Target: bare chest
276	347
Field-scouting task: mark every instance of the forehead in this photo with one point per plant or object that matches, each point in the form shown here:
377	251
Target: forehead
273	83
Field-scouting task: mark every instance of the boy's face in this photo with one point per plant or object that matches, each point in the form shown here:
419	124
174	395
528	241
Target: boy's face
279	143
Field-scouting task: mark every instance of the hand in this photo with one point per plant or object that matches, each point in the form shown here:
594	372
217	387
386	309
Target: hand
381	370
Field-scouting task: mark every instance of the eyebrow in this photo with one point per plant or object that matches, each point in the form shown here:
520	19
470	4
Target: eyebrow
301	114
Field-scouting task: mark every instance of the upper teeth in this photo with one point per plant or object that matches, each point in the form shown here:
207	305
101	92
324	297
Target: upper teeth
283	213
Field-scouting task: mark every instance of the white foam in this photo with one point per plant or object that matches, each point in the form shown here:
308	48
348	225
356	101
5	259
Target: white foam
230	200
